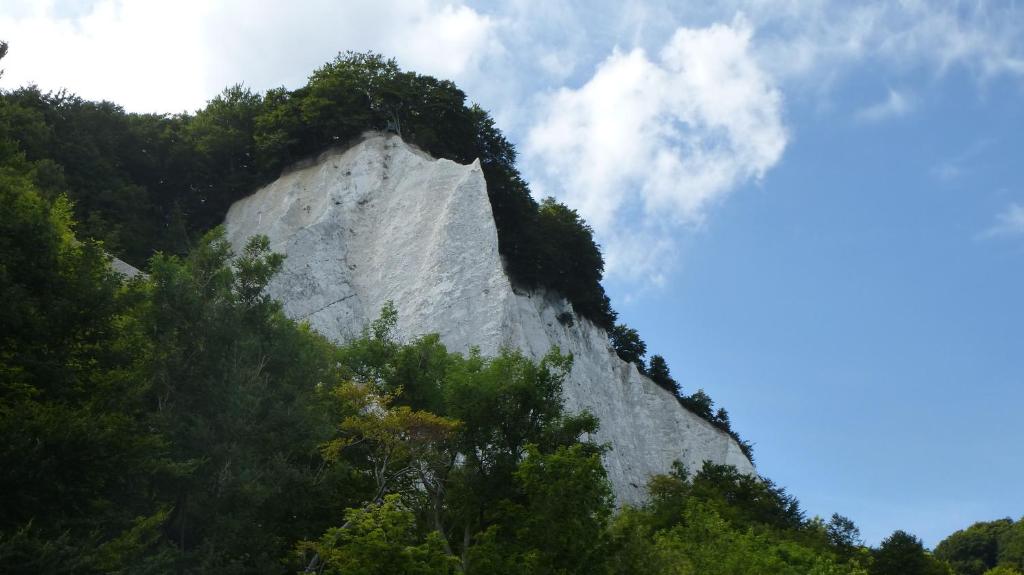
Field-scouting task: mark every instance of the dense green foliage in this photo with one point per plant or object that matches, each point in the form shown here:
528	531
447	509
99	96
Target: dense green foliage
156	423
721	522
660	374
628	345
985	546
180	421
903	554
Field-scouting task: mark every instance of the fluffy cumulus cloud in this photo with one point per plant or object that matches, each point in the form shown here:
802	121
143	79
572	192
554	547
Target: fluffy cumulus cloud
173	56
141	54
646	145
282	42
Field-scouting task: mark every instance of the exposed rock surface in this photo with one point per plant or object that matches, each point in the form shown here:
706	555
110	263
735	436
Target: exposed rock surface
383	221
124	268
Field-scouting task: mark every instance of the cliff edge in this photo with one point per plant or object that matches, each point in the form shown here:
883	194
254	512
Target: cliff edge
383	221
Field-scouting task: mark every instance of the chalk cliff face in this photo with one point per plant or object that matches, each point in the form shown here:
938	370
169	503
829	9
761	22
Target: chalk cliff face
383	221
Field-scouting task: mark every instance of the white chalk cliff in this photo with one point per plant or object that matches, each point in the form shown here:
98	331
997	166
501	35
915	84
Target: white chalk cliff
384	221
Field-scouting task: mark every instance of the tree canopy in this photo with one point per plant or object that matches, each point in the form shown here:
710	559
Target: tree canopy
985	546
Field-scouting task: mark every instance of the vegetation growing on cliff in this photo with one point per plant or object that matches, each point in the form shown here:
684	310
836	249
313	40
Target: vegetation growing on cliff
630	348
144	183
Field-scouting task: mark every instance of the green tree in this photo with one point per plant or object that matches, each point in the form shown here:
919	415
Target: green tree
707	544
1002	570
223	167
974	550
234	387
699	403
746	500
720	521
983	546
563	525
1011	546
504	404
401	445
467	468
903	554
380	539
659	373
627	344
843	533
571	262
79	461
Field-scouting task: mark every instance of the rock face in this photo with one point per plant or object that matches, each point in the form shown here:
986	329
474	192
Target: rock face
126	270
383	221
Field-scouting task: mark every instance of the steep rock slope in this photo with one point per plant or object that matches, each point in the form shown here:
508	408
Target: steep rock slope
383	221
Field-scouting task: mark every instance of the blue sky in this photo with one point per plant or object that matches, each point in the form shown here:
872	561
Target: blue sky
814	210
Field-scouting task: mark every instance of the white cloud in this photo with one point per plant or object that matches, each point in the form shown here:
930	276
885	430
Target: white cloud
645	146
281	43
802	39
979	35
167	57
897	104
1009	222
559	64
143	55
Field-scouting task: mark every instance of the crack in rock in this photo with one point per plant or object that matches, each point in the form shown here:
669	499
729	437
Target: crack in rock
318	310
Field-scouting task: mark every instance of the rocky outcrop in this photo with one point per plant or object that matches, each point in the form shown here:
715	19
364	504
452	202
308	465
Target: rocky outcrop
383	221
125	269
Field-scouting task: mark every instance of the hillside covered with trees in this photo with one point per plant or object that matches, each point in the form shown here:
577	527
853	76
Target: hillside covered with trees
179	422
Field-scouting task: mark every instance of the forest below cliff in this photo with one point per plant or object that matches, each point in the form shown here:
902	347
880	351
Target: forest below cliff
179	422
